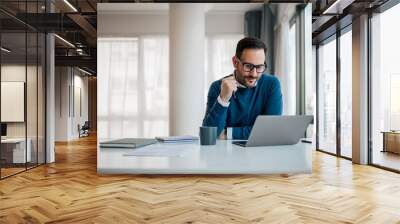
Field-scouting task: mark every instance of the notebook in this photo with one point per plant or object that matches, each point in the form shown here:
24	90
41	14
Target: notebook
128	143
180	138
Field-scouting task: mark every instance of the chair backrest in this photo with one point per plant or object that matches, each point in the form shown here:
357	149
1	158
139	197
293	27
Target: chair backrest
86	125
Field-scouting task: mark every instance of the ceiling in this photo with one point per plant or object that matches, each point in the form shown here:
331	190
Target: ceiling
144	8
76	20
328	16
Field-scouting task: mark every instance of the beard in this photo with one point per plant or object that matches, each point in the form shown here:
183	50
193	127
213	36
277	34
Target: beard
249	81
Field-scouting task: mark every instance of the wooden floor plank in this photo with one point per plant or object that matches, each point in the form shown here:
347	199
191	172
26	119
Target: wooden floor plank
70	191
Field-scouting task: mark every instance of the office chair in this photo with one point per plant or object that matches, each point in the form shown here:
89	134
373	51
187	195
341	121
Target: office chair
84	130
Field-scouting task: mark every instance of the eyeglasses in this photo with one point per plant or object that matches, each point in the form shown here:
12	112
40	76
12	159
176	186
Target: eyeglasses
248	67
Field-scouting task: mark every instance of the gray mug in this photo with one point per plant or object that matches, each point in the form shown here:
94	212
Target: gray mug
208	135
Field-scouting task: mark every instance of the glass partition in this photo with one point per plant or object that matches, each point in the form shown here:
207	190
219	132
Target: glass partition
22	88
14	154
41	96
31	97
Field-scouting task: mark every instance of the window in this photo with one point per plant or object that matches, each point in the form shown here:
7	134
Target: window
385	84
310	93
394	101
334	137
218	57
134	97
346	94
327	97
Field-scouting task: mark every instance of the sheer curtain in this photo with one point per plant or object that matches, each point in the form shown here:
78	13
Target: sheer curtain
292	73
218	62
156	86
133	82
133	87
285	56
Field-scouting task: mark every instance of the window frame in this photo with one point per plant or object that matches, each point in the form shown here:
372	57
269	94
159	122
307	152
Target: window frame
334	37
371	14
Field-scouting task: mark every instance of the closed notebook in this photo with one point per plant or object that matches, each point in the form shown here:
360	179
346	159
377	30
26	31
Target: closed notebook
179	138
128	143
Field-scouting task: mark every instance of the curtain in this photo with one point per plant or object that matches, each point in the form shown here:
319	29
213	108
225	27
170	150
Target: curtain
281	57
260	24
267	36
252	23
218	62
133	87
285	48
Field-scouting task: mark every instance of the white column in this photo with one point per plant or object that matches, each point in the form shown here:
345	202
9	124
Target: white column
50	99
64	104
360	90
187	43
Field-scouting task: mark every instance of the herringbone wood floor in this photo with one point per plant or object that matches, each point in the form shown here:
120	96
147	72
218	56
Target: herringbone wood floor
70	191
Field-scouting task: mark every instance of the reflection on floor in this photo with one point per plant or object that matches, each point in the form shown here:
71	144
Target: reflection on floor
346	152
10	169
387	159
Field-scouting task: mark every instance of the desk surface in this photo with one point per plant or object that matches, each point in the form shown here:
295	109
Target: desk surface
191	158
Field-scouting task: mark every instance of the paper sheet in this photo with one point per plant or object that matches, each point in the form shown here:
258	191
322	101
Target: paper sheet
157	153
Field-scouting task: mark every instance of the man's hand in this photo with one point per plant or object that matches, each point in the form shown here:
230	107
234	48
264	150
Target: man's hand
222	136
228	86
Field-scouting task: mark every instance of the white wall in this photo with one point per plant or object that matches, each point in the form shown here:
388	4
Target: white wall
127	24
220	23
17	73
61	103
66	119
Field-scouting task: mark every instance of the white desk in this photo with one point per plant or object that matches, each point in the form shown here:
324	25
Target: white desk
191	158
18	149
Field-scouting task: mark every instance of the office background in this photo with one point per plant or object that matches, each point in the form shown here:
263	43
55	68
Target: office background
352	91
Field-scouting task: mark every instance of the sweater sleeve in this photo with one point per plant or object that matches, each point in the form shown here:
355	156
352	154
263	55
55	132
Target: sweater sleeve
215	113
274	98
242	133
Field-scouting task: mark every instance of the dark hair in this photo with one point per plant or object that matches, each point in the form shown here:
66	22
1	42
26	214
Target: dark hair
249	43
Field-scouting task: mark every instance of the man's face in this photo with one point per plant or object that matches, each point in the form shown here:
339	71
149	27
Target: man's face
249	56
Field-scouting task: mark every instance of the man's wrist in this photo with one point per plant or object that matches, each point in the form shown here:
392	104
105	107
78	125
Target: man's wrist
224	103
223	98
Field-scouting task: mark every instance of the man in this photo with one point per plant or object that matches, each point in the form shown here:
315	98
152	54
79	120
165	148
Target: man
235	101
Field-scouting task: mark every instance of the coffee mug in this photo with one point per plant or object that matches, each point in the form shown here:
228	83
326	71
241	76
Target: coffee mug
208	135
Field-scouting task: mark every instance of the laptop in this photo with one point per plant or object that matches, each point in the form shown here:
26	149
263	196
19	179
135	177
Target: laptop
277	130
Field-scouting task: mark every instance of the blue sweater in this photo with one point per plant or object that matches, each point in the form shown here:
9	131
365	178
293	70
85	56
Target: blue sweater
265	98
